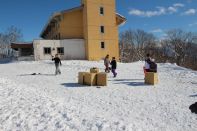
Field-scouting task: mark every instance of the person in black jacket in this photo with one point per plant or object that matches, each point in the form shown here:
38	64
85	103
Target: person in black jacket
150	65
113	66
57	64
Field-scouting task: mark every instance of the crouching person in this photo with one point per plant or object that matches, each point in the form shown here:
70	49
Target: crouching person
57	64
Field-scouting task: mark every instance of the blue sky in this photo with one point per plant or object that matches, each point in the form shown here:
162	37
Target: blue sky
154	16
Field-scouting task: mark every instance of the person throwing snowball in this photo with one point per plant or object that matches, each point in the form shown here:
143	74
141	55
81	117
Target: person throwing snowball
57	64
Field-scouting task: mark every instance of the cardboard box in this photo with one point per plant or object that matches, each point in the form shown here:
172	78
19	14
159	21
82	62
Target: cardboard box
81	76
90	79
151	78
102	79
94	70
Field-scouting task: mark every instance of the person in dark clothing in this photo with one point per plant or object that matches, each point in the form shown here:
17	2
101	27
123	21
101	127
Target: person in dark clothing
57	64
114	66
150	65
193	108
153	67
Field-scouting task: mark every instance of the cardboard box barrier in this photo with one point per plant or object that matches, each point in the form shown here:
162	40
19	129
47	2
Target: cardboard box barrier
94	70
90	79
151	78
81	76
102	79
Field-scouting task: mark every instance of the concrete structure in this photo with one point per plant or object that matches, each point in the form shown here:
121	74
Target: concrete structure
67	49
95	21
23	49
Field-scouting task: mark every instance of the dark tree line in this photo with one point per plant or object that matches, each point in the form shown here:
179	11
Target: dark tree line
178	47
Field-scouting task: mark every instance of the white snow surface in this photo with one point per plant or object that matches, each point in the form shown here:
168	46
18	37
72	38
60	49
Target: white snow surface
47	102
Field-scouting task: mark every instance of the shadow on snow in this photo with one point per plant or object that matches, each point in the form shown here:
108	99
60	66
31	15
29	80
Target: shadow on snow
193	95
133	83
6	61
33	74
130	82
127	80
72	85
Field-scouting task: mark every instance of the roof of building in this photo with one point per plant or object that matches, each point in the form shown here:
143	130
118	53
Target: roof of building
19	43
22	45
120	16
122	19
58	14
54	15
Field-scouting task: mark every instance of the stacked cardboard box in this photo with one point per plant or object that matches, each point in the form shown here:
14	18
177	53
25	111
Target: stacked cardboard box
94	70
151	78
92	78
81	77
102	79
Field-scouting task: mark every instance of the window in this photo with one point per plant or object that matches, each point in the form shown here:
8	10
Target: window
60	50
101	10
102	45
102	29
47	50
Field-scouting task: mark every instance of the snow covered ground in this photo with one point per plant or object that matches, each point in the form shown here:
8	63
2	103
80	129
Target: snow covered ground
47	102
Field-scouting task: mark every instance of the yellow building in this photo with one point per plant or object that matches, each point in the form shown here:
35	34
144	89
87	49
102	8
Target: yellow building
95	21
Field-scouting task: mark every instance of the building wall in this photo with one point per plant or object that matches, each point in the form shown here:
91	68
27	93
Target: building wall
71	27
84	23
73	49
92	35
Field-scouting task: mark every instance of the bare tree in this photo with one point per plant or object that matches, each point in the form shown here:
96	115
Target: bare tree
179	41
178	47
12	34
134	44
126	46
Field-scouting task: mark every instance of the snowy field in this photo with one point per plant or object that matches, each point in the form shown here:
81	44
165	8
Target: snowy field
47	102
